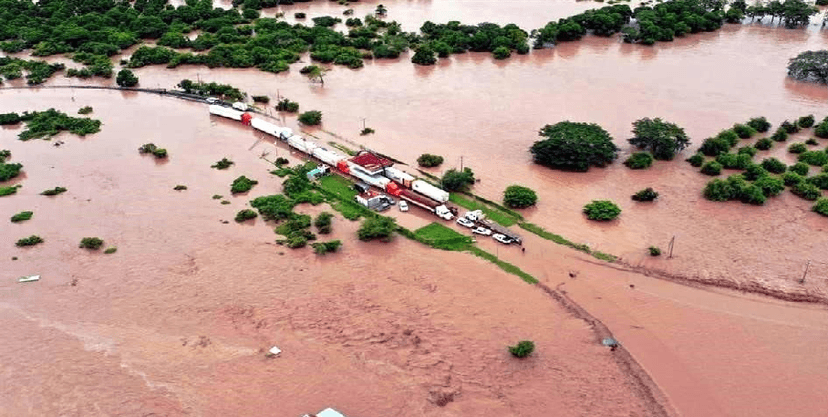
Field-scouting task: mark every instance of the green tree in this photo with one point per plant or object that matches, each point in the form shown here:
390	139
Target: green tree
662	139
574	146
454	180
316	72
311	117
429	161
602	210
126	78
379	227
424	56
516	196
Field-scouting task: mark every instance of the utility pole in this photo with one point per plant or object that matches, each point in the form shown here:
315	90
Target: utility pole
672	243
807	267
278	96
363	122
461	163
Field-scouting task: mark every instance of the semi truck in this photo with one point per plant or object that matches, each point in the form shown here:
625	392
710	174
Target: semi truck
435	207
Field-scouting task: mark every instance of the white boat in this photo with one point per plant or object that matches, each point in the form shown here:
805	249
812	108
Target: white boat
29	278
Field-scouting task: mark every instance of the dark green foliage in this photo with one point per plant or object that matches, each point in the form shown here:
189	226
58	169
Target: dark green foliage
747	150
54	191
718	190
366	131
224	163
800	168
180	187
719	144
217	197
711	168
51	122
22	216
242	185
9	118
274	207
281	161
523	349
815	158
326	21
754	171
819	180
771	186
323	222
780	135
805	121
159	153
95	65
428	160
601	210
111	250
37	71
5	191
287	105
812	141
663	139
743	131
93	243
789	127
353	21
501	52
299	15
322	248
751	194
516	196
261	99
639	160
424	55
759	124
734	161
821	130
244	215
810	66
574	146
774	165
85	110
791	178
29	241
763	144
455	37
4	155
821	206
736	188
647	194
311	117
9	171
806	191
223	91
797	148
696	160
654	251
454	180
379	227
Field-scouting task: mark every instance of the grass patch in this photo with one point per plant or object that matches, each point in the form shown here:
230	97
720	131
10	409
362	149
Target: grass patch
29	241
533	228
111	250
4	191
340	195
343	148
22	216
500	215
507	267
282	172
441	237
54	191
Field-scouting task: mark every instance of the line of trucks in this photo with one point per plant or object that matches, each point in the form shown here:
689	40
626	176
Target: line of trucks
365	167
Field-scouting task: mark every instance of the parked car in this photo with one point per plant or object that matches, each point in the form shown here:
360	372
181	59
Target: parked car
462	221
240	106
212	100
502	238
475	215
482	231
403	206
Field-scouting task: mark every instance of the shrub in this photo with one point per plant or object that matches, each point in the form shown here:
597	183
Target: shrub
4	155
805	121
287	105
274	207
93	243
797	148
792	178
454	180
428	160
601	210
789	127
734	161
647	194
180	187
299	15
806	190
224	163
715	146
815	158
574	146
821	206
696	160
29	241
160	153
821	131
147	148
639	160
281	161
322	248
326	21
811	141
323	222
424	55
261	99
780	135
9	118
516	196
763	144
242	185
9	171
751	194
754	171
366	131
712	168
54	191
800	168
85	110
819	180
126	78
663	139
743	131
501	52
523	349
379	227
245	215
774	165
718	190
4	191
311	117
770	186
110	250
747	150
22	216
655	251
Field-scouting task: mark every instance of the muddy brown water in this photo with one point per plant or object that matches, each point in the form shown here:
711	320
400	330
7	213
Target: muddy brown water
177	319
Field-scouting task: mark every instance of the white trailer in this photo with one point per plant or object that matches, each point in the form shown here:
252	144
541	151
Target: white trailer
329	157
399	177
430	191
375	180
226	112
301	144
266	127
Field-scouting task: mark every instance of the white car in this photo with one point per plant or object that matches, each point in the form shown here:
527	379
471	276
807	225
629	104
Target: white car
502	238
240	106
474	215
482	231
212	100
403	206
462	221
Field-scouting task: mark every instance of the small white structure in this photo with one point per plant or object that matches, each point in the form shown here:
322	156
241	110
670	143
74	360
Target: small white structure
274	351
328	412
29	278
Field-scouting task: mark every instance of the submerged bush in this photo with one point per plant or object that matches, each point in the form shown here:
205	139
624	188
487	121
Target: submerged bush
245	215
180	187
516	196
523	349
29	241
654	251
287	105
647	194
743	131
811	141
323	223
274	207
774	165
747	150
789	127
797	148
51	122
9	171
733	161
663	139
800	168
85	110
379	227
696	160
4	191
792	178
602	210
93	243
311	118
429	161
718	190
805	121
242	184
815	158
224	163
712	168
322	248
821	206
261	99
574	146
639	160
54	191
754	171
763	144
806	191
819	180
759	124
770	186
22	216
780	135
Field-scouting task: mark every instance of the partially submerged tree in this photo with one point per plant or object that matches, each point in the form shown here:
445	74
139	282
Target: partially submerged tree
811	66
316	72
663	139
574	146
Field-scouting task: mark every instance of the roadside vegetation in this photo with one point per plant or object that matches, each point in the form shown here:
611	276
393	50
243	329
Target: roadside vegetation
204	89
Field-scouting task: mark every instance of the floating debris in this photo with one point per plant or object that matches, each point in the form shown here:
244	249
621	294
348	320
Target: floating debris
29	278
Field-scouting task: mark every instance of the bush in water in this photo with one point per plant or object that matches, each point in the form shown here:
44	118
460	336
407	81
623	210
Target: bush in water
789	127
806	190
805	121
323	222
647	194
601	210
287	105
428	160
523	349
516	196
663	139
574	146
743	131
126	78
815	158
821	206
322	248
454	180
655	251
311	117
764	144
54	191
759	124
224	163
754	171
22	216
780	135
244	215
242	184
712	168
797	148
93	243
774	165
639	160
29	241
800	168
696	160
792	178
747	150
379	227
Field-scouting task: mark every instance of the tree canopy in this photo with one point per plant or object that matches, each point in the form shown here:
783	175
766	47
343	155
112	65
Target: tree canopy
662	139
574	146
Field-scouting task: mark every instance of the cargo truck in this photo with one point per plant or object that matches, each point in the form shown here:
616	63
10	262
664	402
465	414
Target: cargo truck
437	208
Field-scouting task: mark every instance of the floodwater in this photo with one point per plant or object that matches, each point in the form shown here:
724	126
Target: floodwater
172	319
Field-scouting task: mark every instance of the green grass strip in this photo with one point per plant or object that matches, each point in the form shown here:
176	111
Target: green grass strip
343	148
533	228
441	237
498	216
503	265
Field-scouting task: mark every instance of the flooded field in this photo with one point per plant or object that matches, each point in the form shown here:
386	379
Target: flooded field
178	320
